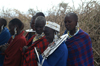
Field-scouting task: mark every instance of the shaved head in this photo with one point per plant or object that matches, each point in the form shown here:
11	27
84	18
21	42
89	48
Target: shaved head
73	16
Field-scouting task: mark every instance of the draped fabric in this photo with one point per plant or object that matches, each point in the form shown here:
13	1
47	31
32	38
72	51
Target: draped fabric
29	55
80	50
57	58
13	54
4	37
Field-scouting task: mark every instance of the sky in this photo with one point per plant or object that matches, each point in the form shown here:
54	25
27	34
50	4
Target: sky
42	5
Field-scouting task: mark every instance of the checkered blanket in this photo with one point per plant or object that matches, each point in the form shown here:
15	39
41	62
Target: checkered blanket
29	55
80	50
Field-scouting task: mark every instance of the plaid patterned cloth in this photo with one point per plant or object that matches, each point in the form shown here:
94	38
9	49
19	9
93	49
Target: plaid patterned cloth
29	56
80	50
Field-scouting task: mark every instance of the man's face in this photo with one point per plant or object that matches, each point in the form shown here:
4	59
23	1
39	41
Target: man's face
39	27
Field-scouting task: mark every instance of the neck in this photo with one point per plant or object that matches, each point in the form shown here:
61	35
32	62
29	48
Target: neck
72	32
18	32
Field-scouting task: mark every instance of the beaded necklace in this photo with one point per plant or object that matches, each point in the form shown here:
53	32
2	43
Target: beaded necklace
69	36
37	37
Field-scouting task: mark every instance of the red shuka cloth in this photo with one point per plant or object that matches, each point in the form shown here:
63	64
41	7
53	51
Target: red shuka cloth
29	55
13	54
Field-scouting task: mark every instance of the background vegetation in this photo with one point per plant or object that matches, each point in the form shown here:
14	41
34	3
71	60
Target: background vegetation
89	20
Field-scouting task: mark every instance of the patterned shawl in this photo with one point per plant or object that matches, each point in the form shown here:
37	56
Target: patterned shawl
80	50
29	55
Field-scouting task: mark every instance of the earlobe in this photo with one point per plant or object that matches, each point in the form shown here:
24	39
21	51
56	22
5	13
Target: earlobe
2	27
15	30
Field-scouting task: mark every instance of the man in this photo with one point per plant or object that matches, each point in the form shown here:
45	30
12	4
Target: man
38	40
79	43
4	37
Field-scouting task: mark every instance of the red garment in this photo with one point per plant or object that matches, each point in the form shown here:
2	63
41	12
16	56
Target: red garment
29	56
13	54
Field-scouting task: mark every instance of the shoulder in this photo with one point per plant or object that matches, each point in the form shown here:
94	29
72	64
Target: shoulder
6	30
83	33
62	48
22	38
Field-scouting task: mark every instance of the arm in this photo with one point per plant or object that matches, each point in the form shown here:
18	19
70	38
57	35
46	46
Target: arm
62	61
4	38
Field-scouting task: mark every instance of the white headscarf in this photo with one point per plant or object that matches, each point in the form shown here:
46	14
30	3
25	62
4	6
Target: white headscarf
53	25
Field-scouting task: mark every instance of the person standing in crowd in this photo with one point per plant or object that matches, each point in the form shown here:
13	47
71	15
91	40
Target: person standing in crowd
12	52
30	34
59	56
38	40
79	43
4	37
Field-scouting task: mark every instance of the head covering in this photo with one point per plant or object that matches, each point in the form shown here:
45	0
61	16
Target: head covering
53	25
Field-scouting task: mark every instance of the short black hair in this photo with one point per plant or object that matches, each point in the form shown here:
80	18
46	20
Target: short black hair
40	14
74	15
17	22
3	21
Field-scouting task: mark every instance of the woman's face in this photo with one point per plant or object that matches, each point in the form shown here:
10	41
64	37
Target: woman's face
70	23
49	33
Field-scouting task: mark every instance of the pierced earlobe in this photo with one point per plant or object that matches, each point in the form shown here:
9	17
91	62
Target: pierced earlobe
2	27
15	30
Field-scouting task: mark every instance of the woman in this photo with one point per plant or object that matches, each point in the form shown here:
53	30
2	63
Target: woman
59	56
79	43
13	54
4	37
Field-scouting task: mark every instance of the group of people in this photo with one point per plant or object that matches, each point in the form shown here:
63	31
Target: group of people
43	45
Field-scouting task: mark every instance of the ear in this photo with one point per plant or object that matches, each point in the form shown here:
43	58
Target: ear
76	23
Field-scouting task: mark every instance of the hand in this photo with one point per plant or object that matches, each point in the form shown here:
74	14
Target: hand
38	50
7	45
24	48
4	46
